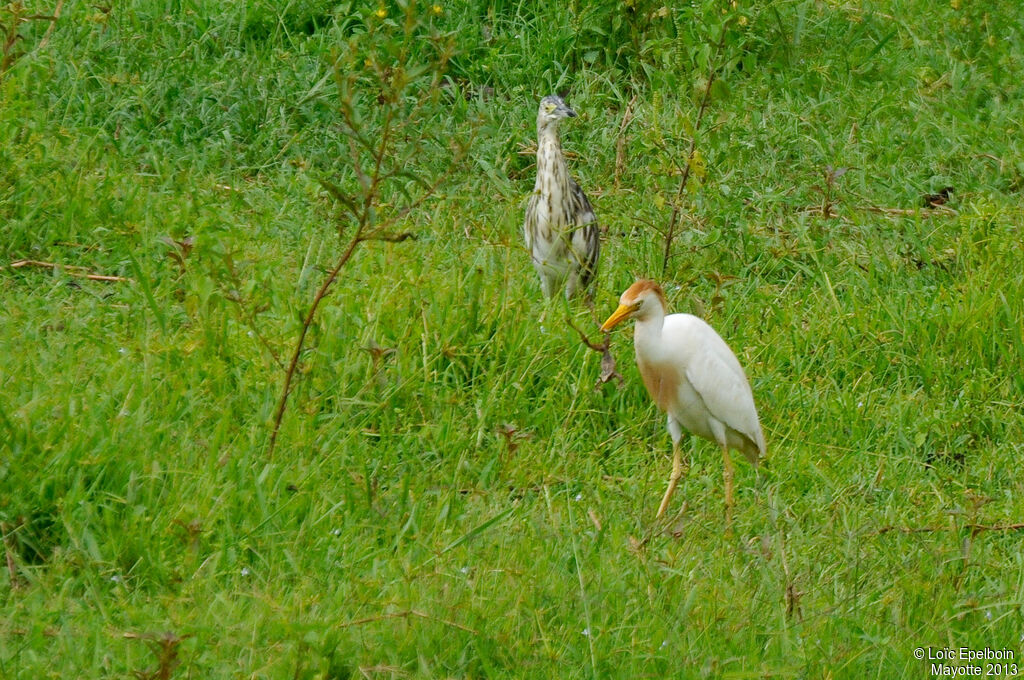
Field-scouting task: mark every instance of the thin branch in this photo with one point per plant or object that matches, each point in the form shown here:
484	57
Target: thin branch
353	133
608	368
375	165
364	181
705	100
306	323
975	529
363	217
586	341
978	528
670	155
407	614
340	197
380	235
250	316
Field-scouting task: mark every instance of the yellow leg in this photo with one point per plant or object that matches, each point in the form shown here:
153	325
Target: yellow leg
677	472
728	486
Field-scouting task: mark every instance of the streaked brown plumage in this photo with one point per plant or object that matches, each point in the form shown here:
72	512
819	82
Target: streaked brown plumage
560	227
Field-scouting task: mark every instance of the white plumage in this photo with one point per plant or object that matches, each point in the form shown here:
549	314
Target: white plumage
694	377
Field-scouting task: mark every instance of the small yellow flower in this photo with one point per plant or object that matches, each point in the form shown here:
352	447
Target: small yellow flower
381	13
742	20
955	4
436	9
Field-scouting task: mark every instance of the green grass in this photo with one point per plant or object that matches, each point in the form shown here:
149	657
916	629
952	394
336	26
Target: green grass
396	532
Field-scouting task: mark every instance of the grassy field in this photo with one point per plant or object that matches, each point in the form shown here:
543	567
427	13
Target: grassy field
462	502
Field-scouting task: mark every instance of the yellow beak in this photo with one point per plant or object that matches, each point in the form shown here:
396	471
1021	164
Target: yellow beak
617	317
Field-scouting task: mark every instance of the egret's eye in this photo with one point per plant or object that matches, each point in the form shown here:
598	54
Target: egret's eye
637	305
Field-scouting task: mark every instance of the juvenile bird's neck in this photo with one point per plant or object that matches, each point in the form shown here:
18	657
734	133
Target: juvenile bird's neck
550	161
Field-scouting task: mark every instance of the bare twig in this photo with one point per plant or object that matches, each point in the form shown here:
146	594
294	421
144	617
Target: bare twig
380	234
71	270
390	238
586	341
608	371
405	615
306	323
375	164
705	100
245	309
975	528
357	238
17	15
249	315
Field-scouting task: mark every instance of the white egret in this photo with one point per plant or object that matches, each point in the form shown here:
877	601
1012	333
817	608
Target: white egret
694	377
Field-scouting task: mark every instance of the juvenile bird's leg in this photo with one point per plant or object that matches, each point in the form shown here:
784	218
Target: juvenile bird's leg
677	472
545	284
573	283
728	487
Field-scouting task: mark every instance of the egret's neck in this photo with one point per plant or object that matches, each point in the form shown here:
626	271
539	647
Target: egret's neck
647	333
550	161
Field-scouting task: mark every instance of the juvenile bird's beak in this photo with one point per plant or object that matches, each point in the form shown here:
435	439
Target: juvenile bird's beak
617	317
566	111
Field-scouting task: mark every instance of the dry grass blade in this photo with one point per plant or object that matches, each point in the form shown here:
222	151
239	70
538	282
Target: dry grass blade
936	210
71	270
620	142
53	23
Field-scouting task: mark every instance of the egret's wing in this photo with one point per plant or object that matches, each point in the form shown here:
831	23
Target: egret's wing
716	375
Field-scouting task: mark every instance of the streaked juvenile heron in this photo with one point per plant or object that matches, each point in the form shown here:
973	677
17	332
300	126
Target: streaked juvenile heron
694	377
560	227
